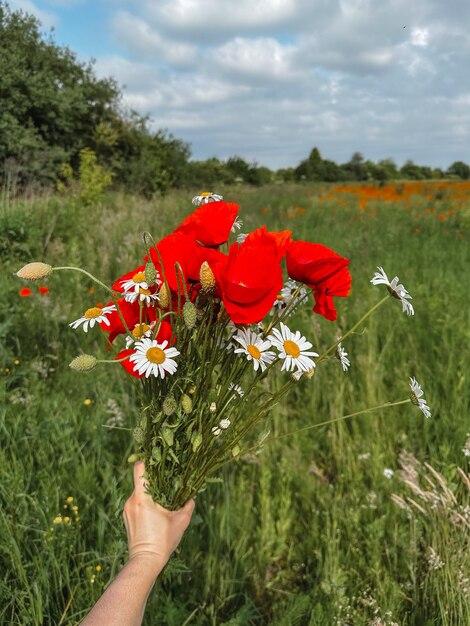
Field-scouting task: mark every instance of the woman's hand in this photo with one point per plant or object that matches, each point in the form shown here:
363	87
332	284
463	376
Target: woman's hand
153	532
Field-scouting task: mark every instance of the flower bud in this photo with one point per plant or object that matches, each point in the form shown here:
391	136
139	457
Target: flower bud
189	315
164	296
83	363
150	273
34	271
213	407
186	404
169	405
139	435
168	437
206	277
196	440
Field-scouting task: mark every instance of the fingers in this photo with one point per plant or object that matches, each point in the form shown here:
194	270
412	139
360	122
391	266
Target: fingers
139	482
188	508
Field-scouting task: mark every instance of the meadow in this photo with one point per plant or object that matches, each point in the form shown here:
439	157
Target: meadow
310	531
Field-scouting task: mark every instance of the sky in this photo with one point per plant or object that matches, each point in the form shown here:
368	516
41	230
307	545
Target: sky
268	80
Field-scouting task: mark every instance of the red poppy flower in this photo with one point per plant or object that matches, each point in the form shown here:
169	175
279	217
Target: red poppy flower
210	224
130	313
252	277
25	292
43	290
321	269
183	249
165	333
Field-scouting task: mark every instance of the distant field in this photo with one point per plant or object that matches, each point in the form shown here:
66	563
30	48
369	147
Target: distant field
311	531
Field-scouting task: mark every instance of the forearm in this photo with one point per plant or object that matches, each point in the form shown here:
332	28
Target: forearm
123	602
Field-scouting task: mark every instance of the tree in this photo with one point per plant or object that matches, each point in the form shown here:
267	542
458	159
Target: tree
460	169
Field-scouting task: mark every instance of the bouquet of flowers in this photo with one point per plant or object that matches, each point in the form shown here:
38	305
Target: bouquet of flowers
202	325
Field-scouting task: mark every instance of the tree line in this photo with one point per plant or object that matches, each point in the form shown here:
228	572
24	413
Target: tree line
54	110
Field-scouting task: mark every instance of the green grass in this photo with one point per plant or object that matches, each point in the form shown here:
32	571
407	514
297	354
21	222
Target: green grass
304	533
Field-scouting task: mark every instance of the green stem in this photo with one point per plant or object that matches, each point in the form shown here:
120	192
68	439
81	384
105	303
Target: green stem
79	269
351	330
332	421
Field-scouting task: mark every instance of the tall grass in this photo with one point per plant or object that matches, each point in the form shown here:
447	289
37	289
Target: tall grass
306	532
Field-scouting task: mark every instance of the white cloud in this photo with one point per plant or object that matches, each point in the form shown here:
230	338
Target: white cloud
270	79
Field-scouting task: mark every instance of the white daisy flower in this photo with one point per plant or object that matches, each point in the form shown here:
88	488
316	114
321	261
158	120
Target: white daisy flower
388	473
135	283
153	358
396	290
342	355
241	237
237	391
237	224
255	348
139	331
93	316
286	295
293	348
143	295
205	197
417	398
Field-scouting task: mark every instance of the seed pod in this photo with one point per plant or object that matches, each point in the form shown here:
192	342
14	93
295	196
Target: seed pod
196	440
164	296
83	363
169	405
34	271
133	458
139	436
150	273
189	315
206	277
235	451
156	454
168	437
186	404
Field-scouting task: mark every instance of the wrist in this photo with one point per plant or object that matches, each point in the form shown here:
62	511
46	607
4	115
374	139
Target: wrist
149	563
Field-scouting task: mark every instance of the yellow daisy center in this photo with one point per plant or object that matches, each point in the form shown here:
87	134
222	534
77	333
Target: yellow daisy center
139	277
156	355
254	351
280	297
204	194
95	311
140	330
144	292
292	349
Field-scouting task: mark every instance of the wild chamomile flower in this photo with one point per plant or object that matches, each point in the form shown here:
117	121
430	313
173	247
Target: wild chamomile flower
237	391
144	295
417	398
139	331
293	348
154	359
342	356
205	197
136	282
255	348
396	290
93	316
286	297
237	224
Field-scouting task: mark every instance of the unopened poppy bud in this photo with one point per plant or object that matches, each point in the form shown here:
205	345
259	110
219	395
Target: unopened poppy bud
34	271
139	435
206	277
169	405
196	440
83	363
164	296
189	315
150	273
186	404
